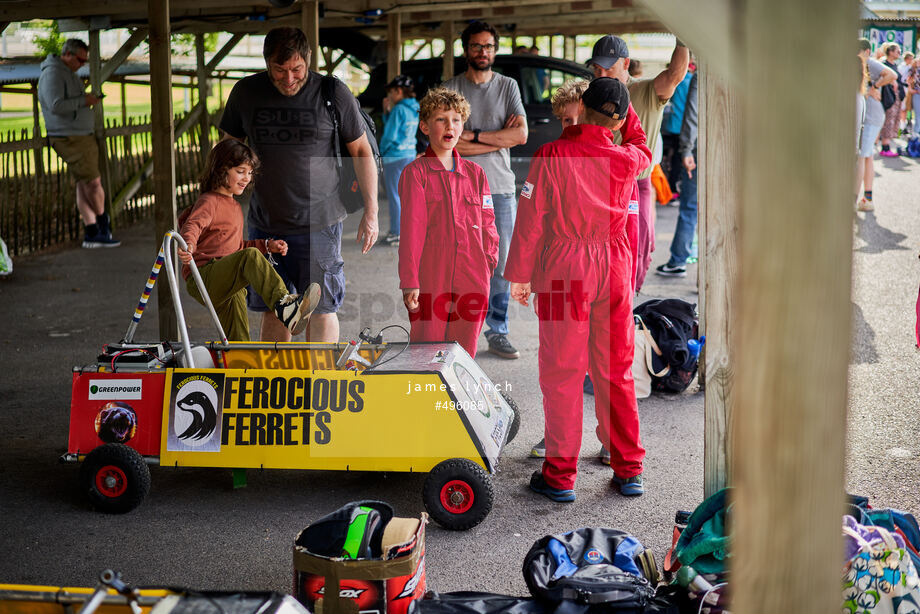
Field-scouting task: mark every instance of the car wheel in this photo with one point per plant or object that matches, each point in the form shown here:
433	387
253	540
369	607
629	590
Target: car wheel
115	478
515	420
458	494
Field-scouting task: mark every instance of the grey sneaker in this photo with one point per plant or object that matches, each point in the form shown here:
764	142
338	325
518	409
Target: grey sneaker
500	346
539	449
672	270
604	455
294	309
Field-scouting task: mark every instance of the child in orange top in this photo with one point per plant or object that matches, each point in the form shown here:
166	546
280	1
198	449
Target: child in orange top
448	242
213	230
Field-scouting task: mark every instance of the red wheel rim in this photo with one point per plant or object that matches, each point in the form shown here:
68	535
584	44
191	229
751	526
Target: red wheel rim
111	481
457	497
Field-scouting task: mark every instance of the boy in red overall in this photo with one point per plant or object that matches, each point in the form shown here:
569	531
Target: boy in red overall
448	242
570	247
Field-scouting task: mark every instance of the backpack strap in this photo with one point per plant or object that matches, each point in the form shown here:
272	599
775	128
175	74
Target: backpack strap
327	91
653	346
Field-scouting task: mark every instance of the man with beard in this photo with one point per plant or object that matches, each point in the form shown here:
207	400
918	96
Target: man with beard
497	122
281	114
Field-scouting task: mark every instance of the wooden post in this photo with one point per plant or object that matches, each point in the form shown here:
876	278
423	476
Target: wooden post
394	45
447	72
793	327
124	115
570	48
204	141
719	190
309	19
95	80
164	162
38	143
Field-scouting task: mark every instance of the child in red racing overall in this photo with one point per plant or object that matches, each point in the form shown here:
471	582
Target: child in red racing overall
448	242
570	247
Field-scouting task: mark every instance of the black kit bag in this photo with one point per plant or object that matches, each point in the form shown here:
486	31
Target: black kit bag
672	323
349	190
469	602
594	570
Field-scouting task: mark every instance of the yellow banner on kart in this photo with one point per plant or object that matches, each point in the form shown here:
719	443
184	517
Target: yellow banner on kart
291	419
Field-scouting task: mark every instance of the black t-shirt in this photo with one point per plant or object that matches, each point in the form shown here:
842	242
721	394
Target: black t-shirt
296	189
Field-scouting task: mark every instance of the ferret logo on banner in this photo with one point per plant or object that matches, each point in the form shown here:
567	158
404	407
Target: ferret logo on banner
194	417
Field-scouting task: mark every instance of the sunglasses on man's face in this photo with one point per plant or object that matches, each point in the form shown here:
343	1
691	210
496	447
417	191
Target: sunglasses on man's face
80	60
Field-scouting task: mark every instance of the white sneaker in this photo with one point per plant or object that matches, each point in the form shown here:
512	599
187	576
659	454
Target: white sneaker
294	309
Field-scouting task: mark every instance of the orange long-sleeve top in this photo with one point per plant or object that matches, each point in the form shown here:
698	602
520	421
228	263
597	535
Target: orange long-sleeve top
213	228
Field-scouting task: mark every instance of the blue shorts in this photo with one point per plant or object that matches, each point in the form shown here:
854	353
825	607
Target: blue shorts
867	140
313	257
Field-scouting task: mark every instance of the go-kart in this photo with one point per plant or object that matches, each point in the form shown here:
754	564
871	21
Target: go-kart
364	405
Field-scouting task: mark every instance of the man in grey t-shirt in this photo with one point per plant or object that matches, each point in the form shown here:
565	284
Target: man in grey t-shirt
497	122
282	116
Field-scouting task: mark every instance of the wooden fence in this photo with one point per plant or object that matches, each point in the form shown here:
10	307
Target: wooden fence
38	196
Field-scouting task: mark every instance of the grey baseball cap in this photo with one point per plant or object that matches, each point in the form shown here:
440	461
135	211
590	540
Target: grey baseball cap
607	51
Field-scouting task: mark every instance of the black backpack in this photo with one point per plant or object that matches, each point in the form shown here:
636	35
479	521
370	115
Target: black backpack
349	191
672	323
592	570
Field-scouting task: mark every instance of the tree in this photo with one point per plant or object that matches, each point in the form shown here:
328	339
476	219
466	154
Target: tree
51	42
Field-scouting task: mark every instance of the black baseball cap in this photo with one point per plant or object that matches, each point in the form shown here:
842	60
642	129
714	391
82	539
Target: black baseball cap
607	51
400	81
607	96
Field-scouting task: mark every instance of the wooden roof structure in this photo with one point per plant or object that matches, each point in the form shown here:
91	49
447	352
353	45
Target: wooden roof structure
419	18
775	232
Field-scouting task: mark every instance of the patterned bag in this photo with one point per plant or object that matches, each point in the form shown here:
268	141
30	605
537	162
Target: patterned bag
879	577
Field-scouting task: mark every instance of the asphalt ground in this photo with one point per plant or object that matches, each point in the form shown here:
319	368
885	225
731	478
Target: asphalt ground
195	530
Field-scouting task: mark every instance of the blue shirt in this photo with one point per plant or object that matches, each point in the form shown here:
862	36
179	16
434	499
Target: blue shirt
399	128
674	112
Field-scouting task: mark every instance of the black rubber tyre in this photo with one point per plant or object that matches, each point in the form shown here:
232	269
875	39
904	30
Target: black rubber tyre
115	478
458	494
516	420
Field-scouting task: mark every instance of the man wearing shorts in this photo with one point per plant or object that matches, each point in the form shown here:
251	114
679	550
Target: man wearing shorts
70	123
281	114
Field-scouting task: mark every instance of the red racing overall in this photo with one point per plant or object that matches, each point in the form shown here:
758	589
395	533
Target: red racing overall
570	243
448	248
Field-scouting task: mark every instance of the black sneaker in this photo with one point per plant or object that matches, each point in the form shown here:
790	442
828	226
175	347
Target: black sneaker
294	309
391	239
672	271
559	495
588	386
500	346
99	240
629	487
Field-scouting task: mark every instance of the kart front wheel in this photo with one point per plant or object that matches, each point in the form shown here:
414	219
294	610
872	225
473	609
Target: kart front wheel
515	420
458	494
115	478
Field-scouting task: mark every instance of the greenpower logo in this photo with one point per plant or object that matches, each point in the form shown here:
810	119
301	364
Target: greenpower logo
115	389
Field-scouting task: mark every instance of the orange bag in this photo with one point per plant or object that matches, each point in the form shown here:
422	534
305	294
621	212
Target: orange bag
662	190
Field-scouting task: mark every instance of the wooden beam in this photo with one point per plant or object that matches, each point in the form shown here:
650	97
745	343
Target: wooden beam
719	190
706	26
164	162
3	26
36	134
394	46
223	52
204	123
570	48
793	327
136	38
447	71
309	18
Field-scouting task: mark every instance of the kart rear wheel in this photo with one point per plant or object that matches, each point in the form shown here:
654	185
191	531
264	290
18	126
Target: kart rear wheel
516	420
458	494
115	478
